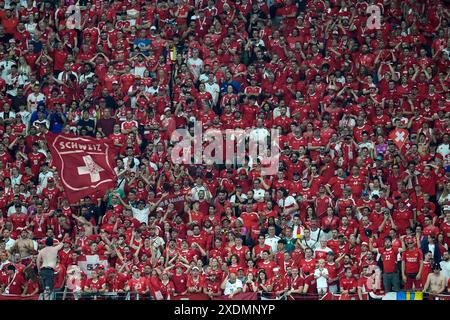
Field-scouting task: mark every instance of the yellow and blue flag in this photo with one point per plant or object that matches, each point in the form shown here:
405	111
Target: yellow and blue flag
409	295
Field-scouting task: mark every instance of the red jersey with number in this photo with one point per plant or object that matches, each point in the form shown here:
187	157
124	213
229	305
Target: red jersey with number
389	257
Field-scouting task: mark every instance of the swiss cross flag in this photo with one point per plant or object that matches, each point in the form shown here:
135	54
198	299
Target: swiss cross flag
399	136
85	165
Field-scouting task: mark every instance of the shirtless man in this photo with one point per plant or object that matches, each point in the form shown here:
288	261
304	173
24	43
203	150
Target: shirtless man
82	222
24	245
436	281
46	264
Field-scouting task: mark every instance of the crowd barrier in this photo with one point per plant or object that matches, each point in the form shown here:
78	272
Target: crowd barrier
438	297
201	296
18	297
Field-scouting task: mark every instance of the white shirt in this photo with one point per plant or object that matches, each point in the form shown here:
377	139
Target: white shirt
321	281
15	180
315	234
445	266
311	243
272	242
15	81
126	162
43	177
141	215
9	244
6	64
139	70
12	210
369	145
259	134
258	194
152	90
233	198
2	264
286	203
195	191
214	90
196	66
66	74
443	149
34	99
232	287
277	112
85	77
11	114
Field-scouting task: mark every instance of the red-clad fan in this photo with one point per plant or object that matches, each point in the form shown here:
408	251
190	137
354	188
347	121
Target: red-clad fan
412	266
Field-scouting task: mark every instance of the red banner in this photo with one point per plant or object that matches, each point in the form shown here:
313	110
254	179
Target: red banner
239	296
193	296
18	297
399	136
201	296
438	297
303	297
354	296
85	165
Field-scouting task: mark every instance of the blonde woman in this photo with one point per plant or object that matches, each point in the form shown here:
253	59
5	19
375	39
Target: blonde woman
23	68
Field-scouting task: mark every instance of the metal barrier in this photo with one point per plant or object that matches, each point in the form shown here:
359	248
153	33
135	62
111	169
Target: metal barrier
61	295
66	295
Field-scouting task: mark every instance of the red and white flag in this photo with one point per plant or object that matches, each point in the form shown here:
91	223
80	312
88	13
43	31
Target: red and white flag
399	136
85	165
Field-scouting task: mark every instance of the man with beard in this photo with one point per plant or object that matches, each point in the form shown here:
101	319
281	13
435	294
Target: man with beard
212	286
24	246
137	285
412	265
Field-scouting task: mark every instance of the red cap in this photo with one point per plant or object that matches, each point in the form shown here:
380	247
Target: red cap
111	270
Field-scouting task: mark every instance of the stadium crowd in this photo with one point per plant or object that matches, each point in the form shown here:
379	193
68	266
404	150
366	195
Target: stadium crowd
360	203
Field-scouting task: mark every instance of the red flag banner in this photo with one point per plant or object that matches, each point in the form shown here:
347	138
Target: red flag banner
303	297
239	296
399	136
193	296
202	296
354	296
438	297
85	165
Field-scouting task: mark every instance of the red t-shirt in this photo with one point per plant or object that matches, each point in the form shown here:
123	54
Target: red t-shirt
180	282
15	283
389	257
412	259
347	284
